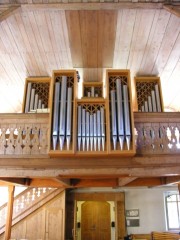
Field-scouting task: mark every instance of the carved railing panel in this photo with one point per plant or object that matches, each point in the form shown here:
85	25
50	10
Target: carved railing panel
157	133
24	134
27	134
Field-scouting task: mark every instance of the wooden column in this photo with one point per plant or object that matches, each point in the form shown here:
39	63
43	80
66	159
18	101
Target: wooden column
179	188
9	212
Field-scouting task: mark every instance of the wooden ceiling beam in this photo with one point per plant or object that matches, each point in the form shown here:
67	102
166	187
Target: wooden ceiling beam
16	181
94	183
174	9
73	173
125	181
90	6
47	182
10	10
63	181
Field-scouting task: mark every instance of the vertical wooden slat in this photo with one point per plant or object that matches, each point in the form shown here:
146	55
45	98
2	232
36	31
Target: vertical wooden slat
73	24
9	212
107	21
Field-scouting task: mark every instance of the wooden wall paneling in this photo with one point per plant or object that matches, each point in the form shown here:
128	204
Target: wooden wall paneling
13	58
74	32
38	39
52	36
31	38
48	222
124	32
27	43
18	40
106	34
89	30
172	96
46	39
170	64
169	39
141	39
66	47
155	44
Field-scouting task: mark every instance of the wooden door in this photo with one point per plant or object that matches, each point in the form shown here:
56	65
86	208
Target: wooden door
95	221
54	224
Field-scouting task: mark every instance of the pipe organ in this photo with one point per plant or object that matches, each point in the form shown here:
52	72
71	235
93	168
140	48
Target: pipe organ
62	109
36	95
149	97
120	111
91	131
100	123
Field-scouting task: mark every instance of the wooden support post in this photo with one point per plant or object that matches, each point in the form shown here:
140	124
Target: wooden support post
9	212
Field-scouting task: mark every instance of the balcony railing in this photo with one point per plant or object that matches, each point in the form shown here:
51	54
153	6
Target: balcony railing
28	134
23	202
24	134
157	133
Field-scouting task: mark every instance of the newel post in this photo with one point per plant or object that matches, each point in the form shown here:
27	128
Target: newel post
9	212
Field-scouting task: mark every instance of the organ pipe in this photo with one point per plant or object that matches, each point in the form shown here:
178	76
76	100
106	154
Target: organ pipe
69	117
157	98
87	130
127	116
113	119
83	128
102	127
56	114
28	97
120	113
62	112
79	126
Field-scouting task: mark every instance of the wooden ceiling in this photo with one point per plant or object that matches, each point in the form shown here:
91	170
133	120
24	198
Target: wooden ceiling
38	36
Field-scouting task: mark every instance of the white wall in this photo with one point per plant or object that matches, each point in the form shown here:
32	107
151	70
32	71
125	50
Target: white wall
150	203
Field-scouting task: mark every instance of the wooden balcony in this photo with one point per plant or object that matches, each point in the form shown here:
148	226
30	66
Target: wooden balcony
24	150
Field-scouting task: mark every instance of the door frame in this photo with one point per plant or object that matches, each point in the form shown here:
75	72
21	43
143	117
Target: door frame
118	198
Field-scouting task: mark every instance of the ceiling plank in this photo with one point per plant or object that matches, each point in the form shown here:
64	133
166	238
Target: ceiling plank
106	35
91	6
7	13
172	9
74	31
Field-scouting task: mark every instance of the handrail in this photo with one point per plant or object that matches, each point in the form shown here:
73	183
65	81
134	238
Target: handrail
23	202
28	134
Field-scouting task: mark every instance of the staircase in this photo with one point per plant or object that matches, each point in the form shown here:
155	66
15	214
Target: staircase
26	203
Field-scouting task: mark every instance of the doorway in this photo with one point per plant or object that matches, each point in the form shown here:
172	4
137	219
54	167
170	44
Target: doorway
94	220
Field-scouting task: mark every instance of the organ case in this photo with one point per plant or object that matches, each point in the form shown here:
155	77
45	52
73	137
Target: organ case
91	126
148	94
36	95
62	124
120	116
